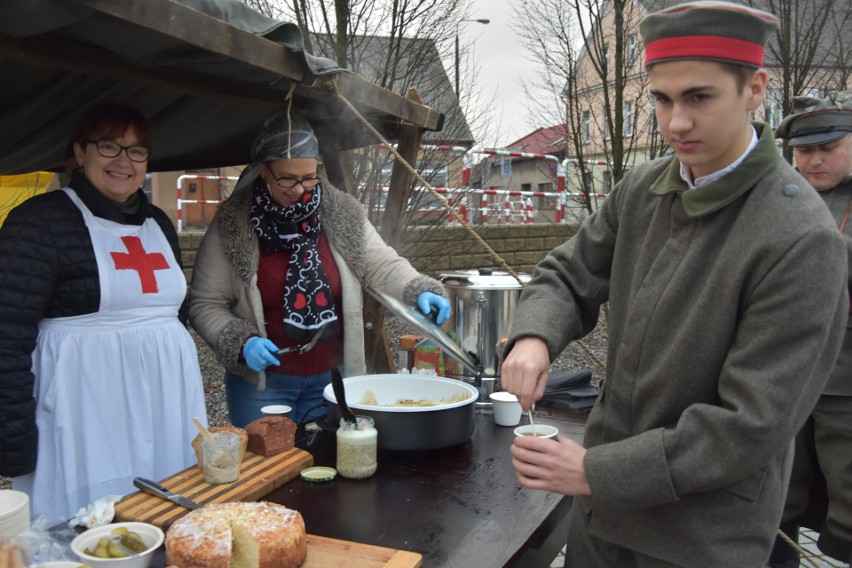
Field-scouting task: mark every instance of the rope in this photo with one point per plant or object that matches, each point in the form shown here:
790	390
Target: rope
803	554
331	84
441	199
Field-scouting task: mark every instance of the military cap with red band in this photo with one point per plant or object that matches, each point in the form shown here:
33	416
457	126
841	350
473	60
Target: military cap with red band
712	31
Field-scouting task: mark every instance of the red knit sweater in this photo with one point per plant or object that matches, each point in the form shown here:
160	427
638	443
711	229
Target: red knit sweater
271	273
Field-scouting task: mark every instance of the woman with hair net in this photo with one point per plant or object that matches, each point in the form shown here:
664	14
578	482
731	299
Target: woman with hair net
284	260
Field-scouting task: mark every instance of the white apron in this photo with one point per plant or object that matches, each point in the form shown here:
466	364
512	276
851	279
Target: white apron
115	390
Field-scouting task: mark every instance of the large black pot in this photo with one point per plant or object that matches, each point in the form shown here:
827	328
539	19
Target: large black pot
410	428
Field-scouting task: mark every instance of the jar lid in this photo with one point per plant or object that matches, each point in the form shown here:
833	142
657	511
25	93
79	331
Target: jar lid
483	278
318	474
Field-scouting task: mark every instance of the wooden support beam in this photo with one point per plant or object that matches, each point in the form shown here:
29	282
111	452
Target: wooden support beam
379	355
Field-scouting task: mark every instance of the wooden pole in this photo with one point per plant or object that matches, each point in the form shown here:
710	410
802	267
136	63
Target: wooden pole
378	353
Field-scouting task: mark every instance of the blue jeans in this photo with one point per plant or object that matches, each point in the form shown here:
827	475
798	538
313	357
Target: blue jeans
302	393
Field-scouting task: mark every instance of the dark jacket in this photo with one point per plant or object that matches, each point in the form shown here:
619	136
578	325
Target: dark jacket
48	271
838	200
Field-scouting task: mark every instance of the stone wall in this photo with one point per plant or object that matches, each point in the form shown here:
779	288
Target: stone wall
436	249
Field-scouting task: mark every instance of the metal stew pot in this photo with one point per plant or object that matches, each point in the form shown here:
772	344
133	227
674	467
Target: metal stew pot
483	303
410	427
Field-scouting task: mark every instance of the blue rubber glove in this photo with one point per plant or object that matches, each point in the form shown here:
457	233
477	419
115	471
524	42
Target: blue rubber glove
260	353
427	301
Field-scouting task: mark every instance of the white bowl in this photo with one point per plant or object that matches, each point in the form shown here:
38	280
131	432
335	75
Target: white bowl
58	564
13	503
151	535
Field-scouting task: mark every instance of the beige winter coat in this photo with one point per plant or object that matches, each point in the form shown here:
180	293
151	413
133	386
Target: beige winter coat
225	303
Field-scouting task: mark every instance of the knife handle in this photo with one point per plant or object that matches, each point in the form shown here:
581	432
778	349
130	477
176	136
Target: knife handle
152	487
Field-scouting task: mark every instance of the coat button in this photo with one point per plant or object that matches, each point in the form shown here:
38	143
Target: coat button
791	190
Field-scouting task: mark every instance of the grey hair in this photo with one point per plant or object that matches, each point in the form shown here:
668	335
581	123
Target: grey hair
284	135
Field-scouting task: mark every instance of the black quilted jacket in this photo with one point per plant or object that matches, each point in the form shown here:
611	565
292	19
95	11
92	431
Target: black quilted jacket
48	271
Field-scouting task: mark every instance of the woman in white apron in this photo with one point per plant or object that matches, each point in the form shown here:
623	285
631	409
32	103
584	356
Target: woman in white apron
117	383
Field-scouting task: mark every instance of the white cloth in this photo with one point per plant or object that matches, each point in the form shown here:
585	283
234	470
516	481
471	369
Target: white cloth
116	390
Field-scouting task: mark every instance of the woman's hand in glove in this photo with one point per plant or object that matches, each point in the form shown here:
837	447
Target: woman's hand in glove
260	353
428	301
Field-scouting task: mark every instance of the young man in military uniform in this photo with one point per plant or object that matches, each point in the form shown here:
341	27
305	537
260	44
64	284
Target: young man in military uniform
820	494
726	282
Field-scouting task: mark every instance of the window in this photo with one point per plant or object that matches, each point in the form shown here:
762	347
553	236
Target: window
607	181
526	187
544	187
628	119
632	52
588	182
605	124
587	127
652	112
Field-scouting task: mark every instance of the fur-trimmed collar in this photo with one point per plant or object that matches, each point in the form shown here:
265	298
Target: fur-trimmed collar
342	219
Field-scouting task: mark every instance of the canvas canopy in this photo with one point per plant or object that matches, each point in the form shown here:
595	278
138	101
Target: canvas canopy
205	73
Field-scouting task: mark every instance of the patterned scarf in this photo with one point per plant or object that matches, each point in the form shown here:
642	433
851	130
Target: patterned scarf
307	296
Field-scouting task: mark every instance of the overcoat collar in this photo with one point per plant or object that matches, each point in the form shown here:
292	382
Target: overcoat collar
711	197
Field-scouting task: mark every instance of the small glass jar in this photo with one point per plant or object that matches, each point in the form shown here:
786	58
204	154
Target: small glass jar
357	448
221	457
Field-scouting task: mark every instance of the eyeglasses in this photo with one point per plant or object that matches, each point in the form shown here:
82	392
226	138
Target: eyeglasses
287	182
109	149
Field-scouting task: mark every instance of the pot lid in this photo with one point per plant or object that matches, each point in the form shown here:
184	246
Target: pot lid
483	278
427	327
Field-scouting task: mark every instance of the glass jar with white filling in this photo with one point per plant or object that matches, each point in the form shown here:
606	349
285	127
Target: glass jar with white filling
357	448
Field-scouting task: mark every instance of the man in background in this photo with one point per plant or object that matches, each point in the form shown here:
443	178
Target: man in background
820	494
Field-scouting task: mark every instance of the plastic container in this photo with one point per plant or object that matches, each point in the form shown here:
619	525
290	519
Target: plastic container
221	457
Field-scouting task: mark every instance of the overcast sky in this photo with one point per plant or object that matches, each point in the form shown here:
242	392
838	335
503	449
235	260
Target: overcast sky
504	67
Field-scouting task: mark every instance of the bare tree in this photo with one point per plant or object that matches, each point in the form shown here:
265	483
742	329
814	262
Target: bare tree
399	45
810	53
588	53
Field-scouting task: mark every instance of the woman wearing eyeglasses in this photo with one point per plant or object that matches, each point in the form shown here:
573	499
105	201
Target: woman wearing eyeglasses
99	376
284	260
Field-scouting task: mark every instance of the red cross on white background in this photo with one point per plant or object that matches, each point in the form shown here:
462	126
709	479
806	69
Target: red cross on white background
144	263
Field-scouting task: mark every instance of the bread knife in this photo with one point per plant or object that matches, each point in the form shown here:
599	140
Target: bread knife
158	490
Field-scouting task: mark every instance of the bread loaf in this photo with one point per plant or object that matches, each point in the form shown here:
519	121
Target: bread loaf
271	435
196	442
238	535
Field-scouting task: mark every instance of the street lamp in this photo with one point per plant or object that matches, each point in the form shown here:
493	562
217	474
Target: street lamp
479	21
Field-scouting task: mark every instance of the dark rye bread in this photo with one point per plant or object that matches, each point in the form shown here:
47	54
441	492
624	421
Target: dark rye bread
271	435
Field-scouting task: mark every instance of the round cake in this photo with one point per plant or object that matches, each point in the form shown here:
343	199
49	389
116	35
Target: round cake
238	535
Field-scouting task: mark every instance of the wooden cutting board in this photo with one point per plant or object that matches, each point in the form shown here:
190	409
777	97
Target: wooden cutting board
332	553
259	476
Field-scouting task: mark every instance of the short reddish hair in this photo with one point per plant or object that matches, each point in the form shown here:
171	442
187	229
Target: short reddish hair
108	121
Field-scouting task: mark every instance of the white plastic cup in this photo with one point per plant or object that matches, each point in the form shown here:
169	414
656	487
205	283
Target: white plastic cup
14	513
276	410
507	409
541	430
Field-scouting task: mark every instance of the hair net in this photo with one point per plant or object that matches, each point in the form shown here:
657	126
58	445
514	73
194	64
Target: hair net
284	135
280	137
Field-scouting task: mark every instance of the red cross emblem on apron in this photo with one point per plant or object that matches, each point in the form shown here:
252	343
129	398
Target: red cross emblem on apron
142	262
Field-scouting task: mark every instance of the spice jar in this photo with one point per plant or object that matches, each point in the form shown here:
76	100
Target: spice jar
356	448
221	457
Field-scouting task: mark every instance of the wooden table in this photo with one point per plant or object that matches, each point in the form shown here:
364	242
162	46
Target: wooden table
458	507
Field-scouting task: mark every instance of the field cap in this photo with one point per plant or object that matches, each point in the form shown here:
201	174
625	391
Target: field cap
711	31
817	121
